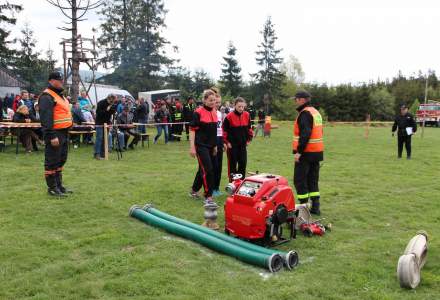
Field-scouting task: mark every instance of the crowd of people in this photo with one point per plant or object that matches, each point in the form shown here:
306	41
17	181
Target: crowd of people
211	127
171	117
22	108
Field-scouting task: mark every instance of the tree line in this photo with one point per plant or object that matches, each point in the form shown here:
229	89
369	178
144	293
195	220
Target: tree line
132	45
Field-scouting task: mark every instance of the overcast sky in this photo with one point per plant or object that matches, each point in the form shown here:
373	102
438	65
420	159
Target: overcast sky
335	41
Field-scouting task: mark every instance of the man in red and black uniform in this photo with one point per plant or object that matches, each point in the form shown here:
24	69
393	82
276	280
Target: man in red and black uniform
203	145
56	119
308	149
237	134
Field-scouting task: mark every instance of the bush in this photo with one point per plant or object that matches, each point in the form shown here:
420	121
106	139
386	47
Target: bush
284	109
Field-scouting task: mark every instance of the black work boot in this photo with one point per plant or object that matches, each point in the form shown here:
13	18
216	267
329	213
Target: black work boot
303	201
315	207
59	180
52	188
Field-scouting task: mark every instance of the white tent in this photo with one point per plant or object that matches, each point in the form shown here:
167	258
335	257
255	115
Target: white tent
102	91
151	97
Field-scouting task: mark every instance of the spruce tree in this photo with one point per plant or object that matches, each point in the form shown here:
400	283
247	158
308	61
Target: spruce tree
28	64
7	17
202	81
269	77
133	43
231	78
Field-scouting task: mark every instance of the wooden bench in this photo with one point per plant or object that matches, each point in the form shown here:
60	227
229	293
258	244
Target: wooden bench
3	136
79	132
147	137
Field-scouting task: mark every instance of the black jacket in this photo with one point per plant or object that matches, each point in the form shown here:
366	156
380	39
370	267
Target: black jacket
2	106
162	116
261	117
402	122
20	118
188	111
252	113
141	112
46	104
305	124
102	114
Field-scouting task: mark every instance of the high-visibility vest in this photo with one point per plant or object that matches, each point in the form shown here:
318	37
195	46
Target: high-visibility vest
267	124
62	117
177	116
316	141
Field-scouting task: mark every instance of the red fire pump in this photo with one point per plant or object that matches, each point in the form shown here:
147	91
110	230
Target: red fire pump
257	208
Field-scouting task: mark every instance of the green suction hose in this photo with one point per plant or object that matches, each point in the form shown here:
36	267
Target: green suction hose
273	262
290	258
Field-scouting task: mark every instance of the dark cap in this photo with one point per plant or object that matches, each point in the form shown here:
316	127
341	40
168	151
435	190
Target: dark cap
56	76
302	94
403	106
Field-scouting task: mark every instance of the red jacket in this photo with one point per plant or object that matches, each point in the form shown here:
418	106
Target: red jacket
237	128
15	103
204	123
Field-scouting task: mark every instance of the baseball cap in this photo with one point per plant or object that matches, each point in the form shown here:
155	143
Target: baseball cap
56	75
302	94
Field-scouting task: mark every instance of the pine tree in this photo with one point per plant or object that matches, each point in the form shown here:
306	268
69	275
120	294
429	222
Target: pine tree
269	78
201	82
7	17
231	78
28	65
50	60
134	45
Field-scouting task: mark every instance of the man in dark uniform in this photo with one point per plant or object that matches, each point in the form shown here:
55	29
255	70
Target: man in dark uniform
56	119
188	111
252	113
308	148
406	126
177	118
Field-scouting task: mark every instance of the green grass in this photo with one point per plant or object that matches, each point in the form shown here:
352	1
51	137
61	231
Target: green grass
86	247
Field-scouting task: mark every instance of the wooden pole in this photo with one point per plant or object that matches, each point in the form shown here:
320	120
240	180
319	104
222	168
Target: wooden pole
65	60
367	128
426	99
105	142
75	53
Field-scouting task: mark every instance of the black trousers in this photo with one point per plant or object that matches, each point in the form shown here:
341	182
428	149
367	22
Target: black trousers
205	174
55	157
306	180
237	160
405	139
187	129
177	130
218	163
128	133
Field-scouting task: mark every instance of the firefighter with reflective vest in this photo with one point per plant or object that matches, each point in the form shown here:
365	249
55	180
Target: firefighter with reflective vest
56	119
308	148
177	118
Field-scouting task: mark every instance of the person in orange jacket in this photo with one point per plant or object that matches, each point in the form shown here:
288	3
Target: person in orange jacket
308	149
56	119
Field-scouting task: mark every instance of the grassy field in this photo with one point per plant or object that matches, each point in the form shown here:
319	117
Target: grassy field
86	247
